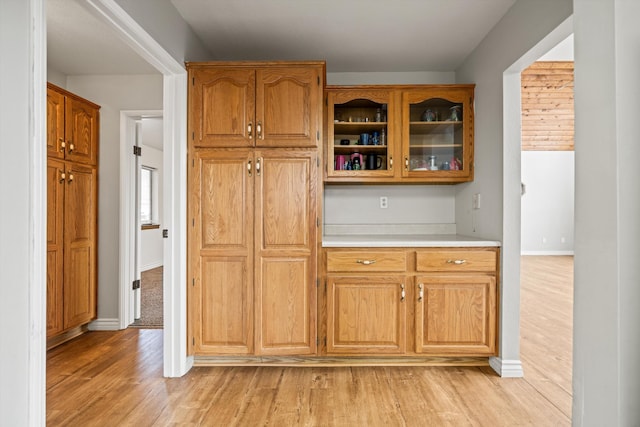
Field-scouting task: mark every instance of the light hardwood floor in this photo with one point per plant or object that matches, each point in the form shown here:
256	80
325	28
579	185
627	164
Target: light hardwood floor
115	379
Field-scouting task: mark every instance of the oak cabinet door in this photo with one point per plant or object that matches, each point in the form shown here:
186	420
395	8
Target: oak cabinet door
222	107
55	224
80	248
366	315
221	248
55	124
285	248
288	106
81	131
456	315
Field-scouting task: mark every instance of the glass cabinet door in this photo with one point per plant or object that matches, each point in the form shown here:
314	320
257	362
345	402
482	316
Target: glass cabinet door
438	134
360	134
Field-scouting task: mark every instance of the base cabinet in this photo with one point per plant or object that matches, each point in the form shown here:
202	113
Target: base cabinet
413	301
366	315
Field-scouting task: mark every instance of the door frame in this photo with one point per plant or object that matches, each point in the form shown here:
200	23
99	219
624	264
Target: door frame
174	112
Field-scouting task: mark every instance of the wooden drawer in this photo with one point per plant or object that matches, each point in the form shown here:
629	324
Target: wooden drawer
456	260
366	260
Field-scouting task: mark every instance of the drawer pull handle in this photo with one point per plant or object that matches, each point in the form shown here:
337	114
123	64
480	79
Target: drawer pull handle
366	261
456	261
402	293
421	293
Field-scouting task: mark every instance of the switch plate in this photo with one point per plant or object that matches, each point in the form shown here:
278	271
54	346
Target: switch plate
384	202
476	201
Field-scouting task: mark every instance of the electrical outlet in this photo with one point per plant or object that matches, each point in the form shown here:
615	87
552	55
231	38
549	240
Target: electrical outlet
384	202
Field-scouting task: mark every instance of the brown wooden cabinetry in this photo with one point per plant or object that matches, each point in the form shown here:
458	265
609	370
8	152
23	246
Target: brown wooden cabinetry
428	301
253	204
255	106
72	190
428	133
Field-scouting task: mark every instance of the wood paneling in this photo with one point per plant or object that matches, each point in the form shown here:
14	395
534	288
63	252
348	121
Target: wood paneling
55	245
547	106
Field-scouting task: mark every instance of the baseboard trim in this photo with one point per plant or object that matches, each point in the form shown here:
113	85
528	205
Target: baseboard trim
546	253
105	325
332	361
507	368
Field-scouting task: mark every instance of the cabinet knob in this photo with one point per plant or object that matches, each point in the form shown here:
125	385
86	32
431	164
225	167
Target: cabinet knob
402	294
71	147
421	292
406	163
259	130
63	144
63	176
456	261
249	166
366	261
390	163
70	180
250	130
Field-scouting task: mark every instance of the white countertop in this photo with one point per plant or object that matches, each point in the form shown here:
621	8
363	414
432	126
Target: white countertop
404	241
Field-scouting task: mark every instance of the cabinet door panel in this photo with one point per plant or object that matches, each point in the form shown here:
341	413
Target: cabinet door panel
366	315
224	317
80	218
221	252
81	131
55	123
55	224
457	315
223	107
283	306
288	106
286	251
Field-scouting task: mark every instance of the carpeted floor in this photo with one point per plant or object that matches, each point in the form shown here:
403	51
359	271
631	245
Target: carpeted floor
151	300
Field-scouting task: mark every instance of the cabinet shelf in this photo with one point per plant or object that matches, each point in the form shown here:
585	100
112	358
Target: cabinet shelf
431	146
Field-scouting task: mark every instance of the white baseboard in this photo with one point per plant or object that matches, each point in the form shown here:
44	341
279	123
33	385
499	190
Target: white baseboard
546	253
105	325
152	265
507	368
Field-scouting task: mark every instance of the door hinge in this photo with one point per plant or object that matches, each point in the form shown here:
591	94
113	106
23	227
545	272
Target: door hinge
317	283
325	341
137	151
317	135
193	282
193	136
136	284
318	161
165	234
193	341
193	81
318	80
317	222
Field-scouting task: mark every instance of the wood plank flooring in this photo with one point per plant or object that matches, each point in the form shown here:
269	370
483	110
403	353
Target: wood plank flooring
115	379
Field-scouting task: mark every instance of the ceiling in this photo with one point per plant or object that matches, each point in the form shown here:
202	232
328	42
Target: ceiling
351	35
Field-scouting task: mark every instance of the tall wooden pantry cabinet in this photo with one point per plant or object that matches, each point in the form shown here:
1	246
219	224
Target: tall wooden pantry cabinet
254	139
72	200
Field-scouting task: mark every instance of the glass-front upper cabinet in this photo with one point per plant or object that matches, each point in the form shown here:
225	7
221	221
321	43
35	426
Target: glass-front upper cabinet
437	134
360	134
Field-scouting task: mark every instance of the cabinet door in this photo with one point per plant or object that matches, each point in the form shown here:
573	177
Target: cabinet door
80	249
55	124
222	107
353	112
285	245
81	131
366	315
437	134
456	315
288	106
221	252
55	224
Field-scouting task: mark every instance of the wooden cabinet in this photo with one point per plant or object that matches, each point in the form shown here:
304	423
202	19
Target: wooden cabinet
351	113
72	127
420	301
253	203
71	223
233	105
428	133
457	301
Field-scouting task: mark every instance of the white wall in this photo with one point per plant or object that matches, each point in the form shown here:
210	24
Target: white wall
547	205
606	380
497	178
151	244
113	94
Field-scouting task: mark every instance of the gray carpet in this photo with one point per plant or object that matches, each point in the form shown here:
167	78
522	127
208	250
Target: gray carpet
151	300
